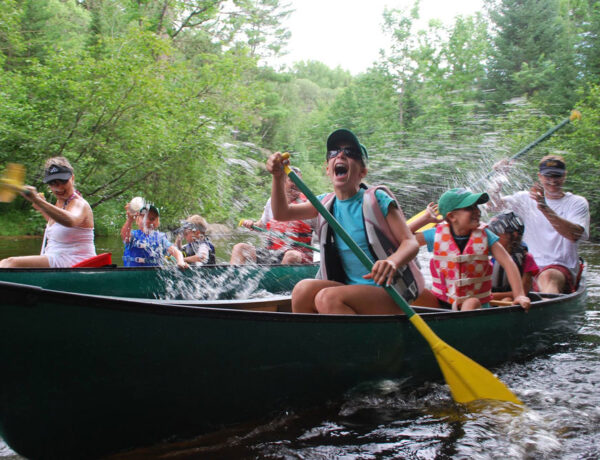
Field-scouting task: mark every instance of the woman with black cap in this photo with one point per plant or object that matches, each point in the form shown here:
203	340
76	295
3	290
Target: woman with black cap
69	235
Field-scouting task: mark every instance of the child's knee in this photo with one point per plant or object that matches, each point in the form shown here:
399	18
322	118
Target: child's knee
472	303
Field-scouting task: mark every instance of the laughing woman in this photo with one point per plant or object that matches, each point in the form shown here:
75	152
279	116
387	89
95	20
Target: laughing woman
69	235
373	219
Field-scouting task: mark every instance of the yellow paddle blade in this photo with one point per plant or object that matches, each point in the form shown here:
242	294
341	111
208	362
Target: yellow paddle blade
11	182
468	381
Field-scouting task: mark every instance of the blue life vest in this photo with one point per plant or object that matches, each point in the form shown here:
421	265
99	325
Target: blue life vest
145	250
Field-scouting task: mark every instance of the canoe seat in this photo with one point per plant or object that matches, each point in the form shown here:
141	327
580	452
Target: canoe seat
101	260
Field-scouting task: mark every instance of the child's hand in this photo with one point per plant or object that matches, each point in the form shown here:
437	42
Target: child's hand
247	223
183	265
383	272
523	301
129	212
433	212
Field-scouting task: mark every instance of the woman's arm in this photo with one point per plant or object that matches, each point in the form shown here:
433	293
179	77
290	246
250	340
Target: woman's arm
77	214
282	210
384	270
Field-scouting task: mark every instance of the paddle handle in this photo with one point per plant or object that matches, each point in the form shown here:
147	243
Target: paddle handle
339	230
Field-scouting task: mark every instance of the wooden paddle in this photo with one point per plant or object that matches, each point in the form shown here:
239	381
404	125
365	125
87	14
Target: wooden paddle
11	182
468	381
575	115
282	236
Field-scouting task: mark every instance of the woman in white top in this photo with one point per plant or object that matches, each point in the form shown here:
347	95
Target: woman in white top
69	236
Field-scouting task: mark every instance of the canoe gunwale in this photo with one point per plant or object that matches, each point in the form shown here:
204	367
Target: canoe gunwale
29	295
112	268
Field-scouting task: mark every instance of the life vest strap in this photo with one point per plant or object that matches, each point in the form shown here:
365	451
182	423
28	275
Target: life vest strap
462	258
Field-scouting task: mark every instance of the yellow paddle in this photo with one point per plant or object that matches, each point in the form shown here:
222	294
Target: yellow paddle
468	381
11	182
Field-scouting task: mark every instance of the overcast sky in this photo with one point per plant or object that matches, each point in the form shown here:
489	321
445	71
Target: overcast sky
348	32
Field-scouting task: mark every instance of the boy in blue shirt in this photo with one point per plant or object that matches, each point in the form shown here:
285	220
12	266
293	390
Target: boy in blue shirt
146	246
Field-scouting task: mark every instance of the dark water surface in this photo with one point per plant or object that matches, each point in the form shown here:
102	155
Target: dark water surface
561	390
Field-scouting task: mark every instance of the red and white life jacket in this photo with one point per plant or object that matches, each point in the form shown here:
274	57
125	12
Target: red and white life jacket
409	281
457	276
297	230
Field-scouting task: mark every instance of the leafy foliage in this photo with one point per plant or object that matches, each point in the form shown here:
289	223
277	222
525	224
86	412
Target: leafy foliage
173	100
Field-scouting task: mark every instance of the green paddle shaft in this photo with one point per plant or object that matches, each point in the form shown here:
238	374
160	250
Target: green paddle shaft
575	115
339	230
285	237
468	381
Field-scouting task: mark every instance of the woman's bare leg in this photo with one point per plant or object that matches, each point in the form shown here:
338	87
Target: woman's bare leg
292	257
426	299
25	262
355	299
303	295
243	253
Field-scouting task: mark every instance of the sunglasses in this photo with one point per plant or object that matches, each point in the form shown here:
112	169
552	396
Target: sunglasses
56	182
553	176
349	152
508	223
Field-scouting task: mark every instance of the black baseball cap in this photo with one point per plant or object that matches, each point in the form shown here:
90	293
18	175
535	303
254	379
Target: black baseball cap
57	172
345	135
552	167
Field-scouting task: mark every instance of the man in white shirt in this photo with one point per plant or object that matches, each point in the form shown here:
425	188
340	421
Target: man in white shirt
555	222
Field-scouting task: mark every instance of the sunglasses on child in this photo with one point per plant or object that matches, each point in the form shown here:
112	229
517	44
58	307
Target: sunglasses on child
348	151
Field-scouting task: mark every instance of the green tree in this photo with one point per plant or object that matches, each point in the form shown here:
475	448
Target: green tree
531	54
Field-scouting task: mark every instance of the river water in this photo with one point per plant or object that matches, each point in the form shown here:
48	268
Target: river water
561	390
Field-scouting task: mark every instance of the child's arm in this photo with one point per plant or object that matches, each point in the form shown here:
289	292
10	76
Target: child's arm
282	210
178	256
512	273
384	270
527	282
201	256
126	228
429	217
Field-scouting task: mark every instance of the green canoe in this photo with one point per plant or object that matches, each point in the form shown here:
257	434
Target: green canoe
87	375
203	282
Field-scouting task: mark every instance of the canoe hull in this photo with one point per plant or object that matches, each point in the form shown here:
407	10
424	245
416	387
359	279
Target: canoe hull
85	376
